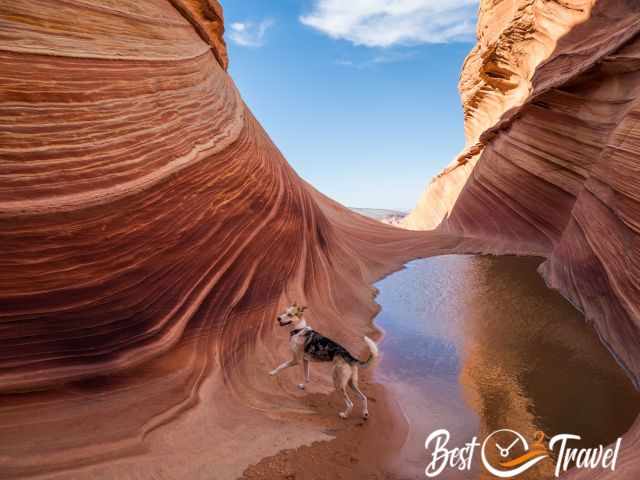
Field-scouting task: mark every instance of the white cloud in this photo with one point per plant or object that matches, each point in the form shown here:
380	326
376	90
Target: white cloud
383	23
249	34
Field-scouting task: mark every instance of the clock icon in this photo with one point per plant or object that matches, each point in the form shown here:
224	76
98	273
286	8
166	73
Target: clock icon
504	441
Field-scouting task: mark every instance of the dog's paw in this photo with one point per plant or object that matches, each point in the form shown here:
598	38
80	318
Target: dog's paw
343	415
273	372
301	386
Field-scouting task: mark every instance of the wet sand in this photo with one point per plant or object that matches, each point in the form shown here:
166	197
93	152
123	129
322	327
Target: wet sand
361	449
472	344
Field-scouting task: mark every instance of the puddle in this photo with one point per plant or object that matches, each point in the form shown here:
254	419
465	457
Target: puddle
478	343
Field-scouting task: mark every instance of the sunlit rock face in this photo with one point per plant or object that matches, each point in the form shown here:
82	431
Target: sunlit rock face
149	233
150	230
514	37
551	163
555	174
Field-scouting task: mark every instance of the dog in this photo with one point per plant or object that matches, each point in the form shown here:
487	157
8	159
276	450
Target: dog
308	345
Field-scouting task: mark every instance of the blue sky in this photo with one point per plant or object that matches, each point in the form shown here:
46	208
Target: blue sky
360	95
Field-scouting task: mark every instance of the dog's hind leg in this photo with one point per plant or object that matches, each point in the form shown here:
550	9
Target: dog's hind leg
347	402
290	363
341	375
305	367
353	383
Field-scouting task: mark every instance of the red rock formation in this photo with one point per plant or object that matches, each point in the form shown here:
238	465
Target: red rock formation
554	176
514	36
149	232
149	228
551	164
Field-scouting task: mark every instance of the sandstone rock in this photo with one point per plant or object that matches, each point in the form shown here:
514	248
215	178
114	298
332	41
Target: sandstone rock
150	229
149	232
551	163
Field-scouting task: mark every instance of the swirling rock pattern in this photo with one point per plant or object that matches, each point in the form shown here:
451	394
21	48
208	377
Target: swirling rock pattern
149	231
514	37
556	173
551	167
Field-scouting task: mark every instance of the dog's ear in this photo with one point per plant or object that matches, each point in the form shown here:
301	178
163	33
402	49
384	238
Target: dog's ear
302	309
294	304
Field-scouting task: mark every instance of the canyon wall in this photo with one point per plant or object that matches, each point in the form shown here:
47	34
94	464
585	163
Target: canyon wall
550	100
513	38
150	230
149	233
549	166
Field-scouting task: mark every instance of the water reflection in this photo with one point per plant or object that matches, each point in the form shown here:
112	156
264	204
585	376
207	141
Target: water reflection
475	344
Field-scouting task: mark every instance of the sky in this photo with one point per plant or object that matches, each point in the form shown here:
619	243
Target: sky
359	95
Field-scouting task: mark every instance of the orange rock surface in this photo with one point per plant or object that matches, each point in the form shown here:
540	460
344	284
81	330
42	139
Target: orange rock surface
550	96
149	233
552	172
150	230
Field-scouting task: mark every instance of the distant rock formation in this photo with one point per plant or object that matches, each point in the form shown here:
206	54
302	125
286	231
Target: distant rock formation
390	217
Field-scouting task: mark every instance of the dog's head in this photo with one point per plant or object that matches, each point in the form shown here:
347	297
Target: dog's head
292	314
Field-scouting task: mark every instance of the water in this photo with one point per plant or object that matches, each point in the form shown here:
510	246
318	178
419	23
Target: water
478	343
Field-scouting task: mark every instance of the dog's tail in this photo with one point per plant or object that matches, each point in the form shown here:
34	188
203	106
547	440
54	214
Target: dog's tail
373	352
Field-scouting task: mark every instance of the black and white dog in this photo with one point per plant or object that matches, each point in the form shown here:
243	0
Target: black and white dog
308	345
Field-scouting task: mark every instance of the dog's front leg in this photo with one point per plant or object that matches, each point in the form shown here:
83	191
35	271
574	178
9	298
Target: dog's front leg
290	363
305	367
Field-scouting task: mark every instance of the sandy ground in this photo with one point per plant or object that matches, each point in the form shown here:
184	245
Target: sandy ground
362	449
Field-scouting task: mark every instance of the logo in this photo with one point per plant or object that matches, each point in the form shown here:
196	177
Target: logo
506	453
506	467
